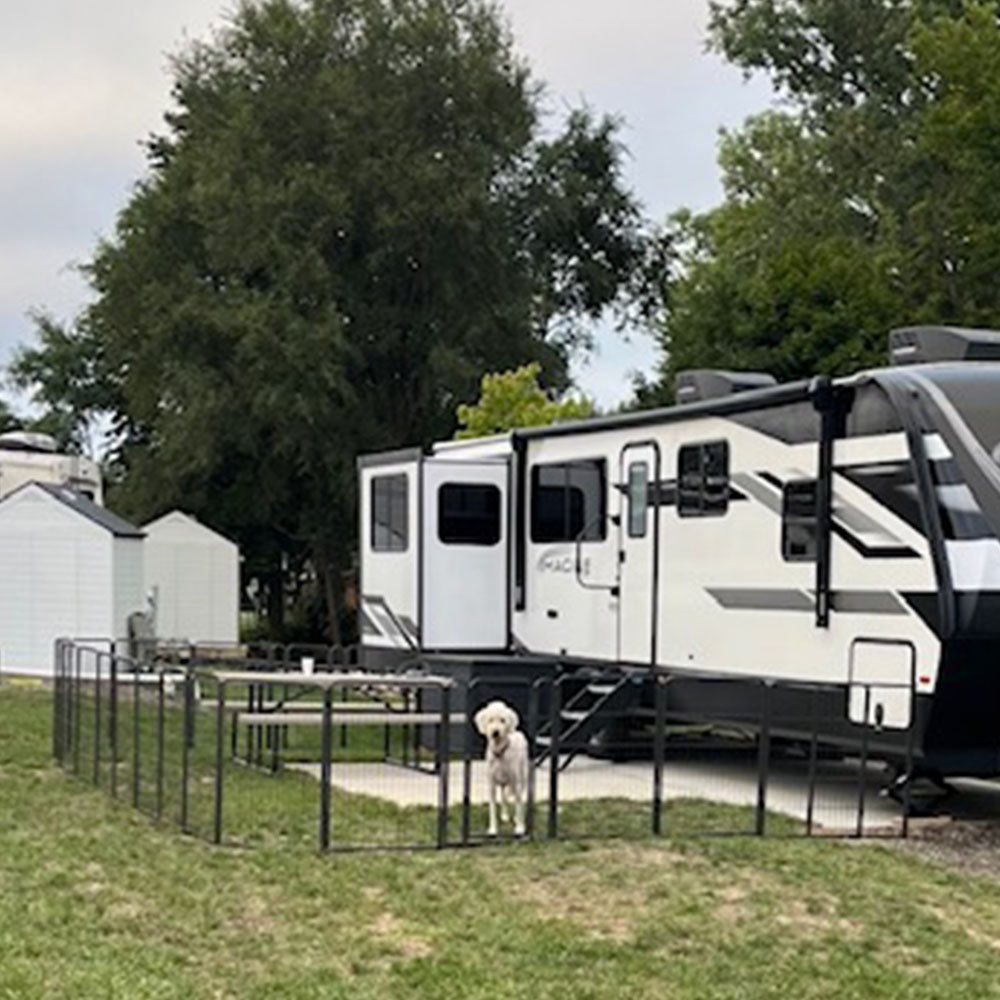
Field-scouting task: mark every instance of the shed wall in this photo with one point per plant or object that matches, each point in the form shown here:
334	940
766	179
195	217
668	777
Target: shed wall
128	592
195	573
56	580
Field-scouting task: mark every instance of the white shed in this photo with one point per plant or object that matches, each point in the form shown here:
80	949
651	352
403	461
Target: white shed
67	568
194	573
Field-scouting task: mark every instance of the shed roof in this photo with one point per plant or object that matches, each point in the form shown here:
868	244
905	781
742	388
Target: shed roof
77	502
181	517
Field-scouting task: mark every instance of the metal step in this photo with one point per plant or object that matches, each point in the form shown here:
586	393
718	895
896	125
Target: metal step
600	688
585	714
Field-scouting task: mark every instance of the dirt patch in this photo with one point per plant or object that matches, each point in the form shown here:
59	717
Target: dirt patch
954	921
733	905
389	928
256	916
597	911
604	893
966	846
817	917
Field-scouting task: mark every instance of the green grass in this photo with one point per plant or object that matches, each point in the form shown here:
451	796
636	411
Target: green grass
97	901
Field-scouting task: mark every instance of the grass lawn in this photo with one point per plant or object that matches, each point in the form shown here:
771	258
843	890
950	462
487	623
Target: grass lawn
96	901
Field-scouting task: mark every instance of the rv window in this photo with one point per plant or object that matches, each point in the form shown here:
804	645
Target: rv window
568	502
389	513
469	514
638	499
703	479
798	521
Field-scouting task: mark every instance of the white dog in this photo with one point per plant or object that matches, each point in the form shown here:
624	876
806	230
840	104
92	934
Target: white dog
506	763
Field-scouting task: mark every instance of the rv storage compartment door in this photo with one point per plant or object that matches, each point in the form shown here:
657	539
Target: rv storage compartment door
886	668
464	580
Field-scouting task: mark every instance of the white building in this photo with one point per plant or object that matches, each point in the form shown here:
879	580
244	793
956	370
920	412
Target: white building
68	567
194	574
29	457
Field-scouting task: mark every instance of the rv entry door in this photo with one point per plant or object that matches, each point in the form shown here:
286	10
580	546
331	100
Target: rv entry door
464	577
639	535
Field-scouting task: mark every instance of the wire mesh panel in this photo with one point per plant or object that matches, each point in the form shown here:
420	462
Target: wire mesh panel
338	758
716	741
342	760
595	778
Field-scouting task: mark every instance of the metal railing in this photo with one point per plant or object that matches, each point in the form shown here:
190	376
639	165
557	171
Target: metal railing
255	751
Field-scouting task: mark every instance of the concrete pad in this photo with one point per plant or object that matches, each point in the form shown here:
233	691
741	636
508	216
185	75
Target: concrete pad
711	776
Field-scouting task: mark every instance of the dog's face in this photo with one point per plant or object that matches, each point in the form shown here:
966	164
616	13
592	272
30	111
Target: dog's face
496	721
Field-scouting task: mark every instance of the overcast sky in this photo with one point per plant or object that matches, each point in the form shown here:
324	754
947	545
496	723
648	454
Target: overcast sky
83	81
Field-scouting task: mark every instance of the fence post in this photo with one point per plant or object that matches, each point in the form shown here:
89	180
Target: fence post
77	662
813	754
186	728
905	830
324	771
555	725
862	770
659	749
220	725
259	731
136	734
56	700
159	746
113	723
470	687
250	709
533	714
97	718
442	756
763	757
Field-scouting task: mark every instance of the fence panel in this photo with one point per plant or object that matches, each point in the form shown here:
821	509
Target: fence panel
339	758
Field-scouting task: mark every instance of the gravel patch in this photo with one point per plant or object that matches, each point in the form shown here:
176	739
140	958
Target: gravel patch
971	847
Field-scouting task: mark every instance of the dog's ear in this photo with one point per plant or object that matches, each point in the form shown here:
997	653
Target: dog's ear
479	719
513	719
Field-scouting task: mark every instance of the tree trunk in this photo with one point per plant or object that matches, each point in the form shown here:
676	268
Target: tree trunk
329	574
276	602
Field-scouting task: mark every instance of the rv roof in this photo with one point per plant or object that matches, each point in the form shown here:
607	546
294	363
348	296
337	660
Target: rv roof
498	443
735	403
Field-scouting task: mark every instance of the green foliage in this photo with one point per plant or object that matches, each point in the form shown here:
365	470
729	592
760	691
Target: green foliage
870	201
515	399
351	214
8	421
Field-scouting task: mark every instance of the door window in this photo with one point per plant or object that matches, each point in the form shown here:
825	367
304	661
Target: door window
389	513
799	525
568	502
638	499
468	514
703	479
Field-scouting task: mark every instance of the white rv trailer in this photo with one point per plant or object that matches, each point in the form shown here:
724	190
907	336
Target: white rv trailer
842	532
27	456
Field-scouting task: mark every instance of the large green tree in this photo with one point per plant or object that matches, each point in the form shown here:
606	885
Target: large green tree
353	212
854	207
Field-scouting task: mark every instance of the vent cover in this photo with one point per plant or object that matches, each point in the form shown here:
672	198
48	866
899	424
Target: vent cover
705	383
915	345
